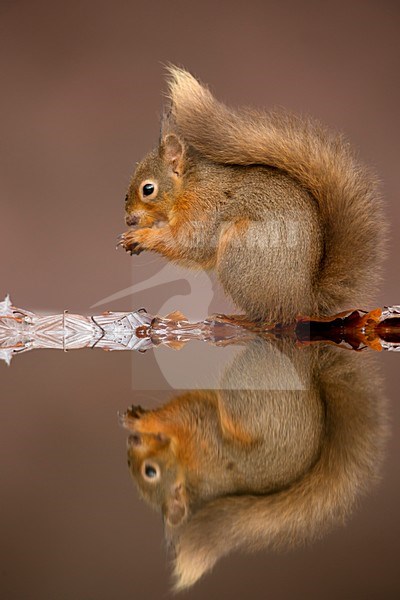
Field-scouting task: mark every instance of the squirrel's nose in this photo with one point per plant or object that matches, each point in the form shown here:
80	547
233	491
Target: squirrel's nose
131	220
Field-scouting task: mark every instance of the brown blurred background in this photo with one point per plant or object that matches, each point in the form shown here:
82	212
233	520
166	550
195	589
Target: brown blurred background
82	87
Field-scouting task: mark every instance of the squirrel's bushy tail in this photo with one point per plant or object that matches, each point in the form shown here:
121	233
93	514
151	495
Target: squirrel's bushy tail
321	161
351	454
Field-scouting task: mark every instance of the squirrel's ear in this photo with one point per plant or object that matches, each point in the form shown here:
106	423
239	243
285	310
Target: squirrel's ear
167	124
172	152
175	510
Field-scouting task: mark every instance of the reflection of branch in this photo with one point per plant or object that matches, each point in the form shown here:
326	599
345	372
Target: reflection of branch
21	330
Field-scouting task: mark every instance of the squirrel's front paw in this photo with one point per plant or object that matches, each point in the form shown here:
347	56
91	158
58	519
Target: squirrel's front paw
135	411
132	241
135	248
131	416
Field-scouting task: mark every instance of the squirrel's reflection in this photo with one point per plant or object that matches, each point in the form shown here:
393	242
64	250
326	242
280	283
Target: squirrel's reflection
274	458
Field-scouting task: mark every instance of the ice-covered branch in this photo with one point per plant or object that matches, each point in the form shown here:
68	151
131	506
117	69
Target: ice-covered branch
21	330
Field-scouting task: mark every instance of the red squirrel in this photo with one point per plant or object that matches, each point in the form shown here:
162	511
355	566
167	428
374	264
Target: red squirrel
275	203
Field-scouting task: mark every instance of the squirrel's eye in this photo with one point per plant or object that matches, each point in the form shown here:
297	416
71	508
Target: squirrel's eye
148	190
150	471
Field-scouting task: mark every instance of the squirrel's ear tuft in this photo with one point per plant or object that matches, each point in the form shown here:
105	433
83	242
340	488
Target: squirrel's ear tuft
167	124
172	152
189	99
176	509
182	85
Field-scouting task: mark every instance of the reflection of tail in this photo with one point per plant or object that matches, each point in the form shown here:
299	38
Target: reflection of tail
350	457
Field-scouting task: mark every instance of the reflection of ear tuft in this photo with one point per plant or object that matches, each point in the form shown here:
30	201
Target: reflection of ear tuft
191	563
173	152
